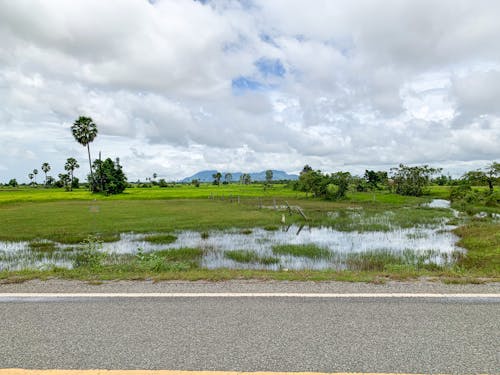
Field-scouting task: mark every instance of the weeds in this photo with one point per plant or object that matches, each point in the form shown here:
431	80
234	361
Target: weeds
42	246
308	251
155	262
247	256
162	239
90	256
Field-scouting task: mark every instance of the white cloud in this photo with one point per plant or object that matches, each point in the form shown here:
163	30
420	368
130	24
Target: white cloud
370	83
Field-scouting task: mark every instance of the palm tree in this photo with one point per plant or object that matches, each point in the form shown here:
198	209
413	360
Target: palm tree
30	176
217	176
35	172
45	169
85	130
70	166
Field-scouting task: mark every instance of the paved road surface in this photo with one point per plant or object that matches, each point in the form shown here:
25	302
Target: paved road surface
411	335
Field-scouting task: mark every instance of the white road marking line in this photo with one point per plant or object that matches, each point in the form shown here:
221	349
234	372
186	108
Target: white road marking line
173	372
248	295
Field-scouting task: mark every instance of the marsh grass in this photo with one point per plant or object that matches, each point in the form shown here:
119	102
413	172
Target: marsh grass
308	251
42	246
162	239
482	241
181	255
371	219
271	228
248	256
386	260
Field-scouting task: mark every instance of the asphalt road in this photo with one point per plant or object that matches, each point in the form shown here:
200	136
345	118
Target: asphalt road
410	335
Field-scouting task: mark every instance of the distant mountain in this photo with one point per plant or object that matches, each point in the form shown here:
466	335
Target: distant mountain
206	176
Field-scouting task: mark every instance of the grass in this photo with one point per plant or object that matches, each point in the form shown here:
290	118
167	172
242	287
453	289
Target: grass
247	256
181	255
42	246
179	191
386	260
308	251
162	239
71	221
482	241
44	216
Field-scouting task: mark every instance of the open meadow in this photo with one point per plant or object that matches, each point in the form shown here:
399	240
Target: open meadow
243	231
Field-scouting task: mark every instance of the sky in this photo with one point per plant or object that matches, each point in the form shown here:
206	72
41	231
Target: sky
179	86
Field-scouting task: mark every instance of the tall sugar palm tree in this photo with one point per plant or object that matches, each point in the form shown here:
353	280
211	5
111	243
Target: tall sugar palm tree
45	169
70	166
35	172
85	130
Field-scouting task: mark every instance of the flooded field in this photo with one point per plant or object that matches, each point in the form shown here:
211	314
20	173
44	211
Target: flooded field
281	247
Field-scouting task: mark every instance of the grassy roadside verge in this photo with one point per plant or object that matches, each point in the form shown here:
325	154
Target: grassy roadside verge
450	276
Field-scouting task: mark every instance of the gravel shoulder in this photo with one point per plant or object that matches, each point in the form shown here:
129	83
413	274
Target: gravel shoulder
246	286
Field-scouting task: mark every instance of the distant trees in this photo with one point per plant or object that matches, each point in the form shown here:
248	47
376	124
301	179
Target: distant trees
45	169
374	178
64	181
217	176
112	178
412	180
489	176
84	131
269	179
35	172
50	181
228	177
70	166
328	186
13	182
245	179
30	176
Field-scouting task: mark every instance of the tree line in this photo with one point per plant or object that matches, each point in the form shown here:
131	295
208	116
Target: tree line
403	180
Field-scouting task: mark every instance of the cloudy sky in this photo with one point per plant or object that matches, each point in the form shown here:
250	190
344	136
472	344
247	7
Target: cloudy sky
178	86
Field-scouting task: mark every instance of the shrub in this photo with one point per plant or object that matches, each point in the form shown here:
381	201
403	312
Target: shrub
90	256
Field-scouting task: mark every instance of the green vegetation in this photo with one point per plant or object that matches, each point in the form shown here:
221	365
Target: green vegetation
71	221
46	216
177	191
160	238
42	246
386	260
482	241
308	251
247	256
166	260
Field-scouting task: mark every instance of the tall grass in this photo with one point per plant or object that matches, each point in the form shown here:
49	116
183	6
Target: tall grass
308	251
247	256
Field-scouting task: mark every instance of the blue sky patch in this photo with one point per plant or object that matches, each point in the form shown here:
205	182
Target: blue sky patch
242	84
270	67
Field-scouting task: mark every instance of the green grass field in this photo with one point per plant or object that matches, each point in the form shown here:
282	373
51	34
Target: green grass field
179	191
44	215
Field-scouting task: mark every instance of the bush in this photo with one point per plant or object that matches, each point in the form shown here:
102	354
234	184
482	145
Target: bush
90	256
109	177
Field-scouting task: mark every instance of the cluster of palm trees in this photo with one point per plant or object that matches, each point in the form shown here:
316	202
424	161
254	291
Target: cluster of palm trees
66	179
84	131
